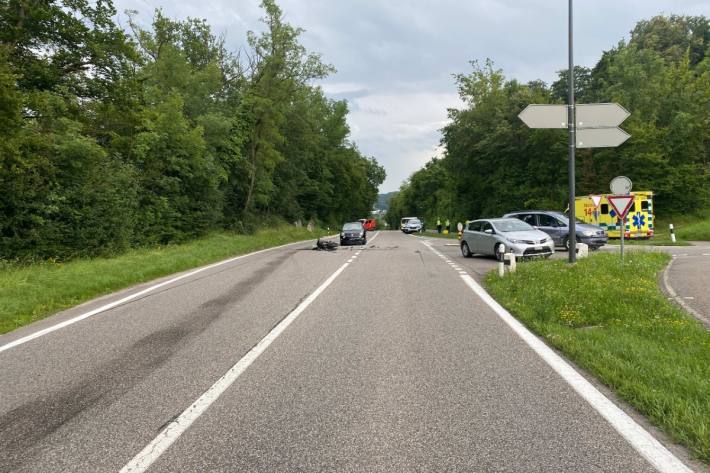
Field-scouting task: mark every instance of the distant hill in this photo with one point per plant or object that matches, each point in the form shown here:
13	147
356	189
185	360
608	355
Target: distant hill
383	200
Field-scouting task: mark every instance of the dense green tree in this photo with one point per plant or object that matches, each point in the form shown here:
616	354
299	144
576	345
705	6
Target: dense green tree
494	163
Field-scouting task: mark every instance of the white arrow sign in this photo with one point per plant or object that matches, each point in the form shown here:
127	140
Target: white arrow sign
596	122
600	137
592	115
544	116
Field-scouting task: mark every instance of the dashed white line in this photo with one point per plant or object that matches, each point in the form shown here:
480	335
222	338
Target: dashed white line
177	427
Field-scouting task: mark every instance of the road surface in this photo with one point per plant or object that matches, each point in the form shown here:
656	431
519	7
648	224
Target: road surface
392	363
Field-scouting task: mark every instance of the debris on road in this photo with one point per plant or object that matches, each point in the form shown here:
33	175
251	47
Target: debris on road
325	245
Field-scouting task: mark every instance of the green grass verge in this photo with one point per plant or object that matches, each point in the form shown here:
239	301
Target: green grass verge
32	292
687	227
650	242
615	322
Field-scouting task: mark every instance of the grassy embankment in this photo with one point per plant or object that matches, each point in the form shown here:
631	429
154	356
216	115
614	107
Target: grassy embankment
32	292
687	228
616	323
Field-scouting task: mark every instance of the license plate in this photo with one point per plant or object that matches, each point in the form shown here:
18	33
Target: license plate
538	248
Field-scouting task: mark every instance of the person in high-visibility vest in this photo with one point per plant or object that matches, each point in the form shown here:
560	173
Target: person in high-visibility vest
438	225
447	228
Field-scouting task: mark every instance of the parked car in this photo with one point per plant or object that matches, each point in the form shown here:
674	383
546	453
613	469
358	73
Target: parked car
556	224
404	221
487	237
353	233
413	225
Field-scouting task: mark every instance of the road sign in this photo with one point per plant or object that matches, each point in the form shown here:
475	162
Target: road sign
620	185
596	200
596	125
621	204
600	137
544	116
459	226
593	115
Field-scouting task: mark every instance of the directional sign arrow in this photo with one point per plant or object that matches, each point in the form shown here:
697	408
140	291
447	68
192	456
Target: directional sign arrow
600	137
592	115
544	116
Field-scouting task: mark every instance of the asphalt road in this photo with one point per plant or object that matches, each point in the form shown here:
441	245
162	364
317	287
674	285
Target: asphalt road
394	366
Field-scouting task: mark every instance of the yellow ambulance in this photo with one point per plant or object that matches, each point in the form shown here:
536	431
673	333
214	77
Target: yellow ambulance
639	220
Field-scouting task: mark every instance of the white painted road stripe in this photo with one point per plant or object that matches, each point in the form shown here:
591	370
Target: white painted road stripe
650	448
647	445
176	428
111	305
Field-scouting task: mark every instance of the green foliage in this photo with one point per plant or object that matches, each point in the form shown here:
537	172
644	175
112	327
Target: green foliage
111	139
614	321
494	164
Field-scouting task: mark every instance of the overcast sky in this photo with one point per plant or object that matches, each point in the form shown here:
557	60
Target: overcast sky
395	58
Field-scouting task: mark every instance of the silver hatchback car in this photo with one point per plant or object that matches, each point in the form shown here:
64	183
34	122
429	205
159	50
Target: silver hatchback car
488	237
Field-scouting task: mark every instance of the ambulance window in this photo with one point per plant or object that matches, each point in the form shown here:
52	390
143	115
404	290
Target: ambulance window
605	209
644	205
633	207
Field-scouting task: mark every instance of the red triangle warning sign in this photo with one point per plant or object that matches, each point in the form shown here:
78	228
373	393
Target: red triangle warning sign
621	203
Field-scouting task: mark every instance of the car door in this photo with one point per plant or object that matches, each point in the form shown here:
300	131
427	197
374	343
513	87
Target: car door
487	241
553	227
470	235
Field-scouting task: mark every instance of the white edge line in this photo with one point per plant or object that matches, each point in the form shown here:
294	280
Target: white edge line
650	448
130	297
142	461
641	440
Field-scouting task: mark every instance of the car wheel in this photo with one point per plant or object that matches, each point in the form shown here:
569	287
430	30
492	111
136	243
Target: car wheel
498	253
342	242
465	251
565	243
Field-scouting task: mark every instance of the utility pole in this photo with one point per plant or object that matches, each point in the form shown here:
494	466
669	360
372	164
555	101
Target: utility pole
571	125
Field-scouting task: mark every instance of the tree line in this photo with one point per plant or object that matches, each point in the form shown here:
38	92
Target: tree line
114	137
494	164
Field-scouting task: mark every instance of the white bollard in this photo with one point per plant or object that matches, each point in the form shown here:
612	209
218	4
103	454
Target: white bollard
501	264
509	259
582	250
672	232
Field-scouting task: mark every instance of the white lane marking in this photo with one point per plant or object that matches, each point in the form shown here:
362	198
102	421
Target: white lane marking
354	256
650	448
689	298
675	297
706	254
130	297
177	427
350	260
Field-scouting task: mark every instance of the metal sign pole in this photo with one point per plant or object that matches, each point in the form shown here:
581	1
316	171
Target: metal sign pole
572	238
622	224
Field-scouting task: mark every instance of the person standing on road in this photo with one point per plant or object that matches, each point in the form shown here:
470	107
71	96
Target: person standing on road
438	225
448	226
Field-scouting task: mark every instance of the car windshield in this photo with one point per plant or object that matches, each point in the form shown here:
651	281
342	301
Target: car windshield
512	225
352	226
414	222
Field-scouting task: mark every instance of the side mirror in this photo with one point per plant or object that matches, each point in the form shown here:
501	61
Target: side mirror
488	231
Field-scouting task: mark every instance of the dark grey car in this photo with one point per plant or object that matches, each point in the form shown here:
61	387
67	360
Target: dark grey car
556	224
353	233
